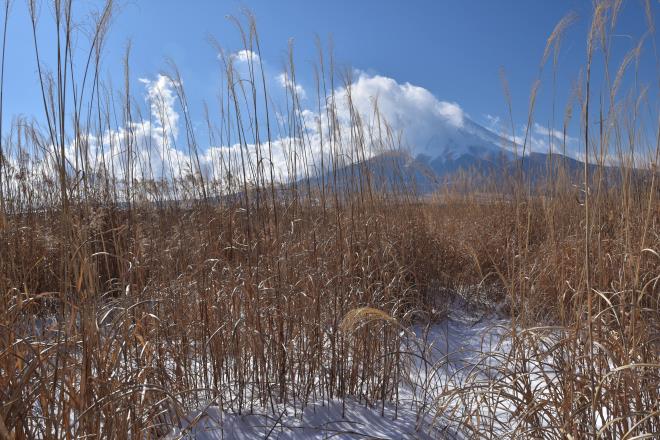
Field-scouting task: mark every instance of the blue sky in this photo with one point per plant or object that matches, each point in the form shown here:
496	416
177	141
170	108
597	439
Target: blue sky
452	49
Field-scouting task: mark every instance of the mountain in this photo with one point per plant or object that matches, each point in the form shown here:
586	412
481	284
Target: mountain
470	147
473	147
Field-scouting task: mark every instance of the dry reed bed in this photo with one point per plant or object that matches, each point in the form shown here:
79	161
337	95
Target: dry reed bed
204	317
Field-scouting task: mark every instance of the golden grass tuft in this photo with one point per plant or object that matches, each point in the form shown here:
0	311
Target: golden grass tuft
359	317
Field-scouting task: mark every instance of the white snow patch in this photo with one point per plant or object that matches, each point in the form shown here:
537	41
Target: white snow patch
350	420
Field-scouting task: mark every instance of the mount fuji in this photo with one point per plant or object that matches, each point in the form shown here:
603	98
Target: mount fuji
470	147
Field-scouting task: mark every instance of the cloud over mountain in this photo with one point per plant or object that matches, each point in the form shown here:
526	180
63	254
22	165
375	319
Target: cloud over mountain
411	110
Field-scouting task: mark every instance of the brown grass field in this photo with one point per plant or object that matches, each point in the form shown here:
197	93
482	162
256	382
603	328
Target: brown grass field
128	297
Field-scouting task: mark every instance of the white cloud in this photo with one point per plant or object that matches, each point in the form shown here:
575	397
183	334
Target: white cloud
244	56
286	83
161	96
493	122
152	140
425	121
556	134
540	139
402	102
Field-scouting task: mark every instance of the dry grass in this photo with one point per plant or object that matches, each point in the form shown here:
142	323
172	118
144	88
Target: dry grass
127	300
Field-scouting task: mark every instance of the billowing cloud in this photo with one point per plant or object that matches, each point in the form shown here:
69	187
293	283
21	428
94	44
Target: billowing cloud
424	121
161	97
152	141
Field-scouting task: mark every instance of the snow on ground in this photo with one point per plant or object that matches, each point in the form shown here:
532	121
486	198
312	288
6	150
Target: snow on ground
318	421
449	348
